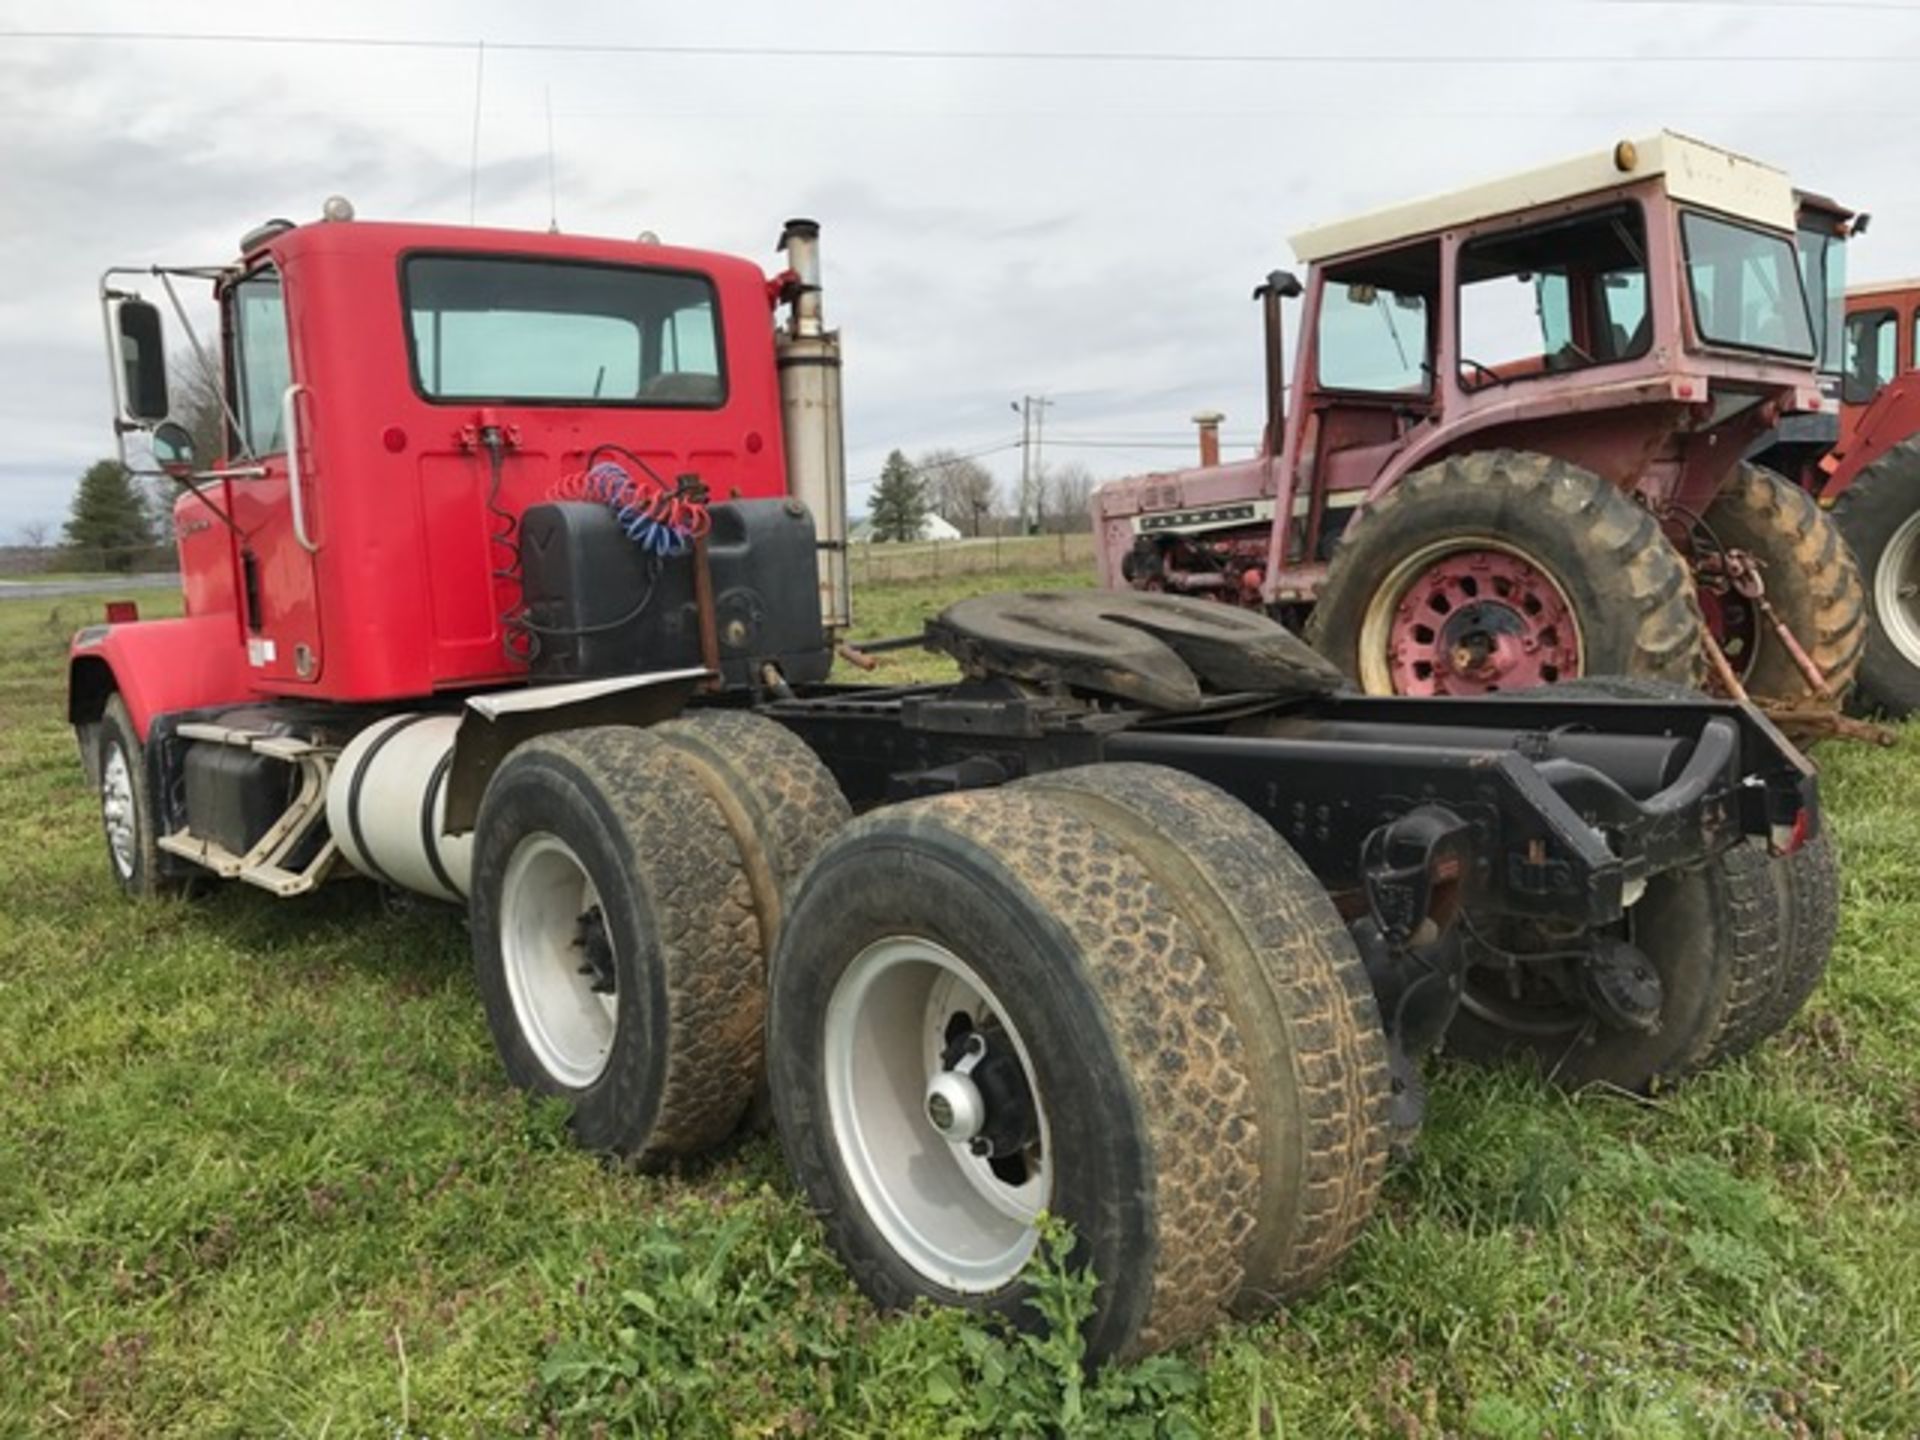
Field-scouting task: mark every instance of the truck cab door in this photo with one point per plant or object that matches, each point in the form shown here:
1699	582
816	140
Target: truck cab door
272	512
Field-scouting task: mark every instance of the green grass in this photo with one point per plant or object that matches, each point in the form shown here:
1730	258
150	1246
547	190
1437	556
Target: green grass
260	1175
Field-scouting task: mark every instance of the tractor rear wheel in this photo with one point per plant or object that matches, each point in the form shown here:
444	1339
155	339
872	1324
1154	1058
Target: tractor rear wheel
1503	570
1315	1051
1809	580
615	942
1880	517
985	1008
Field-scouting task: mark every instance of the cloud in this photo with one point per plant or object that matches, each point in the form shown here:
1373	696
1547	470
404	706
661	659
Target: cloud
1087	231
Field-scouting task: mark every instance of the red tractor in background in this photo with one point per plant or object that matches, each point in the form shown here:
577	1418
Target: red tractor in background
1513	454
1864	465
515	587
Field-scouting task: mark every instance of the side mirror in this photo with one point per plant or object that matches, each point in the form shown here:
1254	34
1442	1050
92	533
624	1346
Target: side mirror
142	363
173	448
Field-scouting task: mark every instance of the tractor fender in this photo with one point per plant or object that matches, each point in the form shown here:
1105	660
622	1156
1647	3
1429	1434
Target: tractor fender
491	725
1891	416
155	666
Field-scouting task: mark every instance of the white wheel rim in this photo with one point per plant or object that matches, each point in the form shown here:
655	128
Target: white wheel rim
116	805
1896	589
545	900
944	1210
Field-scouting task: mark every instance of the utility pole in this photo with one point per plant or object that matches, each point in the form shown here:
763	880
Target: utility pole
1033	421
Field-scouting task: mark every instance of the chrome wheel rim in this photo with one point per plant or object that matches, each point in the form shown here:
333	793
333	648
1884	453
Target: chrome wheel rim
559	972
116	806
1896	589
966	1221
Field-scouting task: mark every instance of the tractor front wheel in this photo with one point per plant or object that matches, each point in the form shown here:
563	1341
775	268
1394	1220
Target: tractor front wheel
1880	518
1500	571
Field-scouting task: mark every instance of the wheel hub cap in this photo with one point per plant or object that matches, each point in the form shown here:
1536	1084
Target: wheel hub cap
1479	620
1896	589
935	1114
116	807
558	959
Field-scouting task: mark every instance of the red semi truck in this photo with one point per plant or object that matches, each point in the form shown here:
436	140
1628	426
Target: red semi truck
516	587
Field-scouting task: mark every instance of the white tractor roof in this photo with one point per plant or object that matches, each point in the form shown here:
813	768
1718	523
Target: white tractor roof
1693	172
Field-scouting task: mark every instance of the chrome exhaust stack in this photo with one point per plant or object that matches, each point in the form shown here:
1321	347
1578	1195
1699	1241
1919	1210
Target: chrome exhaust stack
807	355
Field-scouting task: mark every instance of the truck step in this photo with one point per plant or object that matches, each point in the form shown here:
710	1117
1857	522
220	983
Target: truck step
262	742
266	863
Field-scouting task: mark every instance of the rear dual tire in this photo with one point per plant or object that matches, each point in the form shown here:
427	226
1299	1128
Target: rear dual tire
627	888
1739	944
1213	1133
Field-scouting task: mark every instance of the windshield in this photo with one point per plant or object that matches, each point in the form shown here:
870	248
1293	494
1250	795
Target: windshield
561	332
1746	287
1823	270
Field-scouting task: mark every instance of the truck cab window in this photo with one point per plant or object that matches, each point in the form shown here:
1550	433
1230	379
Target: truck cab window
262	363
561	332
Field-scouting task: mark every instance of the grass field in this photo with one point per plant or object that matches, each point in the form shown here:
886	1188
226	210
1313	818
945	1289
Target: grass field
260	1175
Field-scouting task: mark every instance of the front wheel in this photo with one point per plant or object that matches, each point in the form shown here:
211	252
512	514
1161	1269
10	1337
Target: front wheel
128	817
1880	518
1500	571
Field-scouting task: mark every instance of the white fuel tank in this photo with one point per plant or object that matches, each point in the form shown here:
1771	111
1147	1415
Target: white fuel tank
387	801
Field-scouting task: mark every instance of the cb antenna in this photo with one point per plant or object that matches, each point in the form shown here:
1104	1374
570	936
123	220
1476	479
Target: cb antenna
553	187
473	164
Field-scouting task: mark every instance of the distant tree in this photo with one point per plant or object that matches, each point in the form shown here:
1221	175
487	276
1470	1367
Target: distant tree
110	522
33	534
959	490
898	506
196	395
1063	497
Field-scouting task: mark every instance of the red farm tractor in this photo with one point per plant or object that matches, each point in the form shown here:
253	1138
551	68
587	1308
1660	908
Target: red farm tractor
1864	464
1514	450
516	587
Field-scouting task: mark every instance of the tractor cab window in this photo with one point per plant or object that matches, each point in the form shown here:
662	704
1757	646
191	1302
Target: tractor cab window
562	332
1823	273
1746	287
1374	333
1868	360
262	362
1554	297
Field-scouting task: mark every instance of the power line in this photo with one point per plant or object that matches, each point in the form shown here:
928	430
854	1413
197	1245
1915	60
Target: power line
842	52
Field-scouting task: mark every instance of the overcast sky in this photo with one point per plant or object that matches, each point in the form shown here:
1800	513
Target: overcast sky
1084	228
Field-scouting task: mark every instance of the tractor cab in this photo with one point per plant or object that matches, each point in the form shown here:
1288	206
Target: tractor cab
1632	311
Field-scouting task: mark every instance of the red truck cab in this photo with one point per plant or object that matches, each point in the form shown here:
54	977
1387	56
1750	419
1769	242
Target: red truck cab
355	542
